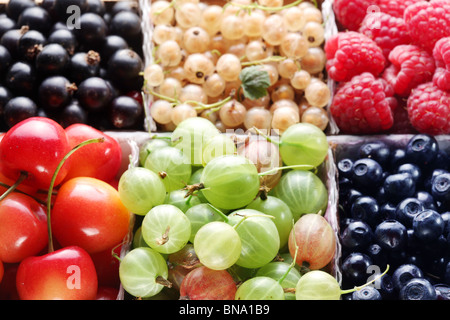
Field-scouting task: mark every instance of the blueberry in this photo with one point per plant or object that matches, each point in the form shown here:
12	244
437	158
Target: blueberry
377	254
386	288
422	149
344	167
391	235
428	225
367	293
418	289
427	183
440	189
398	157
376	150
348	199
442	291
412	169
404	273
399	186
357	235
407	209
355	268
446	217
447	274
367	173
387	210
366	208
426	199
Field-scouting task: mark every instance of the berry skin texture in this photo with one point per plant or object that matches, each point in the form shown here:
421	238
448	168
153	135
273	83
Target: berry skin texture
352	53
395	8
364	105
387	31
429	109
427	22
410	66
441	55
351	13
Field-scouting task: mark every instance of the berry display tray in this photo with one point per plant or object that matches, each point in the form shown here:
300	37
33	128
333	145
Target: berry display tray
347	147
330	27
327	172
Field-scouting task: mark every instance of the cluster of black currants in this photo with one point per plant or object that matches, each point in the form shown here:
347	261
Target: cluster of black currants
395	210
75	61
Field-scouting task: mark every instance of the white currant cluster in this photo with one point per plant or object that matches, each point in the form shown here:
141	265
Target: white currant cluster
201	48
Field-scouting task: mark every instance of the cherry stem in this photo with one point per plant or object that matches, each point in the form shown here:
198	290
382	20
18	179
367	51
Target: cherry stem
22	177
52	183
366	284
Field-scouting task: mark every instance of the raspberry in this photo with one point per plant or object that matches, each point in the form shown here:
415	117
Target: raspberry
429	109
351	53
441	79
427	22
410	66
364	105
441	53
350	13
395	8
387	31
401	125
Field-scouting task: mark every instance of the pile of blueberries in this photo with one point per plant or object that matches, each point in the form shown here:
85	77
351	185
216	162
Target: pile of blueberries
394	211
75	61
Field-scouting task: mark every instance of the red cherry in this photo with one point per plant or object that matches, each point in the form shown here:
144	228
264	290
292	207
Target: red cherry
107	266
2	271
8	285
65	274
35	146
23	227
88	212
106	293
97	160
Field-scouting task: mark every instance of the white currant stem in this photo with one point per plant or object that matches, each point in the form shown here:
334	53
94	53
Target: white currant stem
265	60
256	5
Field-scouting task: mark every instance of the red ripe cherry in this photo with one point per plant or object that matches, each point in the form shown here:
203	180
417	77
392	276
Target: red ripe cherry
35	146
65	274
23	228
8	289
107	266
2	271
107	293
96	160
203	283
88	212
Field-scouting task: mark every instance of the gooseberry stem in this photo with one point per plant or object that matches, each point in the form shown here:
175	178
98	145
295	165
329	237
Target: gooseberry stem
295	166
265	136
22	177
294	260
245	217
220	213
52	183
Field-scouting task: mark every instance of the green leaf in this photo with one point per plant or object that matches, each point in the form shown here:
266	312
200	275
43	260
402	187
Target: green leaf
254	82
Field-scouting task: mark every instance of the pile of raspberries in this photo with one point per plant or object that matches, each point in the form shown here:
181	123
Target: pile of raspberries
391	62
